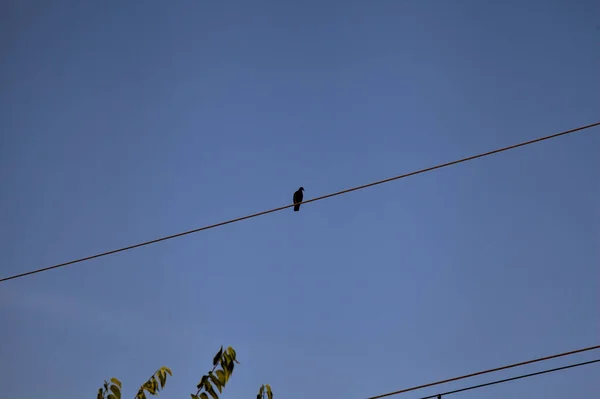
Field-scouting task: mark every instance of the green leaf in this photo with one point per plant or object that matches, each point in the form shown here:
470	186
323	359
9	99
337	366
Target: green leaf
233	354
162	375
215	381
203	395
212	392
100	394
116	391
194	396
221	377
111	396
149	386
116	382
202	381
217	357
269	392
226	373
168	370
231	351
226	364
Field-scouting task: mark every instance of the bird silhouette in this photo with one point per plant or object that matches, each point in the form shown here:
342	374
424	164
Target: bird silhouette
298	196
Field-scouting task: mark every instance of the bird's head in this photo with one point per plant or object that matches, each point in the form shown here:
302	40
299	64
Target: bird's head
301	189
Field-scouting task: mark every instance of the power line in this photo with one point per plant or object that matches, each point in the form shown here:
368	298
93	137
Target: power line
439	395
304	202
488	371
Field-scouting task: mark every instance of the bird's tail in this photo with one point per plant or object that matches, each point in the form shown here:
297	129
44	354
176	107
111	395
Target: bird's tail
296	208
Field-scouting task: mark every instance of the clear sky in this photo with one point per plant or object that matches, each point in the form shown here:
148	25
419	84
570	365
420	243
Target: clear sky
123	121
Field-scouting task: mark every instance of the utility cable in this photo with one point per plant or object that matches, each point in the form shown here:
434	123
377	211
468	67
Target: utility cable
552	136
440	395
487	371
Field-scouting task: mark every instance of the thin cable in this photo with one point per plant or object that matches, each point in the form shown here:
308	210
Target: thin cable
488	371
510	379
304	202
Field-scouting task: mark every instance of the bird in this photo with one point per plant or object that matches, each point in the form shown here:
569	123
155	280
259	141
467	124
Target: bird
298	196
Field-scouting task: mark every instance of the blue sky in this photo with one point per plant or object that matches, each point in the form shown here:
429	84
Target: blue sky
124	121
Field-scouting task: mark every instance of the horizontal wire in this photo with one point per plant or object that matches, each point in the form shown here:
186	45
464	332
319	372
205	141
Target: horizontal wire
304	202
541	359
440	395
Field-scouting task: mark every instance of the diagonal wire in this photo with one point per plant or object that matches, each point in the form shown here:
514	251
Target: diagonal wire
212	226
440	395
487	371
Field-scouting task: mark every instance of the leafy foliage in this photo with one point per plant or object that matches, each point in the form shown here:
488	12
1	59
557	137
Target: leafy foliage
223	364
265	389
110	390
154	383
